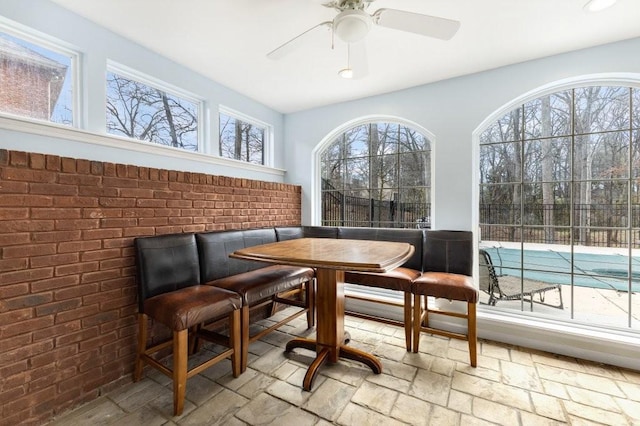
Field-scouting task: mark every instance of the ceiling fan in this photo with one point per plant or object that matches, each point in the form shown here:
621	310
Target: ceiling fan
353	23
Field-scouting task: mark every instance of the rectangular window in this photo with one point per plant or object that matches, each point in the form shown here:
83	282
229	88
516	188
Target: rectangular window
147	112
242	138
37	78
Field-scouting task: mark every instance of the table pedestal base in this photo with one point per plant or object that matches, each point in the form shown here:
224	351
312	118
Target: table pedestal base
324	354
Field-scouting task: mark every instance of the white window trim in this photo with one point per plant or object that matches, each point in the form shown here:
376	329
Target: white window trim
140	77
267	147
51	43
598	343
54	130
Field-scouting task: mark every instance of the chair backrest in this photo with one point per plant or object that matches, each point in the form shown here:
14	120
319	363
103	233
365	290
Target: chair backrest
448	251
165	263
412	236
215	247
488	279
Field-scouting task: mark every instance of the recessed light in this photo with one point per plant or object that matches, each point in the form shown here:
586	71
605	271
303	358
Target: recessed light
598	5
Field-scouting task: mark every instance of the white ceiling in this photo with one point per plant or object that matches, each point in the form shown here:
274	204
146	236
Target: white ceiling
227	41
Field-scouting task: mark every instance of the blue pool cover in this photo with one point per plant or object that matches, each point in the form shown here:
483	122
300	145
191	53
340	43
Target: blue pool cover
607	271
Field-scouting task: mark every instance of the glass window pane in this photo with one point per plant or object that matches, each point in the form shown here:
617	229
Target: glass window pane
356	142
412	141
500	163
140	111
36	82
548	116
500	204
357	173
601	109
547	160
600	203
508	128
601	156
241	140
415	168
547	204
384	172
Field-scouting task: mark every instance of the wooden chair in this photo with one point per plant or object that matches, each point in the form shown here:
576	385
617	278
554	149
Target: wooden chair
447	274
169	293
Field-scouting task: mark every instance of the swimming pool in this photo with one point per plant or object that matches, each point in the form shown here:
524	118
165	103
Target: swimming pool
606	271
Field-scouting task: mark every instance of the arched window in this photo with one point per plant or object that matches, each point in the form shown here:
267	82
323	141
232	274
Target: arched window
559	206
377	175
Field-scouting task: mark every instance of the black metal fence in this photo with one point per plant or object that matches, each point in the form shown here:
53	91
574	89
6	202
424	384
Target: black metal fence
599	225
343	210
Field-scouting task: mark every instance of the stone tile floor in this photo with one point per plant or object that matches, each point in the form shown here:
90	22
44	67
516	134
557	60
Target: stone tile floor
511	386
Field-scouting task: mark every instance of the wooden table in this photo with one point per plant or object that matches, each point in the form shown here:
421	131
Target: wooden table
331	257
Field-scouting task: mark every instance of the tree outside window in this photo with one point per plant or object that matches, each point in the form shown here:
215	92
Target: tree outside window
241	140
140	111
377	175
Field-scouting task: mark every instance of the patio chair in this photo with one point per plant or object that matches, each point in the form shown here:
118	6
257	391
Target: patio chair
507	287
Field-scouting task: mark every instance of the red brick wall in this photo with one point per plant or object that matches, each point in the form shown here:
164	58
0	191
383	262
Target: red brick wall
67	290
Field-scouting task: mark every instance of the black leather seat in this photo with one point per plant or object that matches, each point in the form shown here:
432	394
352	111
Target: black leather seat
448	268
257	283
168	275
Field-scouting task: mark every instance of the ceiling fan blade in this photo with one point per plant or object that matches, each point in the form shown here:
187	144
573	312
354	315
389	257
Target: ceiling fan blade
426	25
289	46
359	60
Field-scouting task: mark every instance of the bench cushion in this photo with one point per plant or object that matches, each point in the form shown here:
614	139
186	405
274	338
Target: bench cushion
181	309
397	279
258	285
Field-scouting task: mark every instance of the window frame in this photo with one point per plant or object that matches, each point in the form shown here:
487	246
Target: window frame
58	46
267	143
628	80
156	83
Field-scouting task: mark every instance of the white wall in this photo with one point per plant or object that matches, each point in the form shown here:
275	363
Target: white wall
451	110
97	46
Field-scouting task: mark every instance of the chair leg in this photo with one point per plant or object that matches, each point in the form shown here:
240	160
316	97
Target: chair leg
142	345
244	323
417	315
180	356
472	332
408	320
235	341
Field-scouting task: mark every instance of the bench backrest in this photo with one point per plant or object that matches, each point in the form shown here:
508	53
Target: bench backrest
215	247
411	236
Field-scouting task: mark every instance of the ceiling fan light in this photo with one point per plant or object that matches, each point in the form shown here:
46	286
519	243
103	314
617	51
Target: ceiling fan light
346	73
598	5
352	25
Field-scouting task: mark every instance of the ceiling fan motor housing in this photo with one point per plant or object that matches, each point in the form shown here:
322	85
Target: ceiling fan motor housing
352	25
